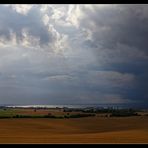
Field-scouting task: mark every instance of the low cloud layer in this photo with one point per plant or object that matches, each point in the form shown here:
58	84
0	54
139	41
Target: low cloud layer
73	54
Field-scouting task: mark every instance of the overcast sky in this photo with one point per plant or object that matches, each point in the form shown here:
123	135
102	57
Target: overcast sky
73	54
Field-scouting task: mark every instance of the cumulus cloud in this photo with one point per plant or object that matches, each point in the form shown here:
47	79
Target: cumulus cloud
26	25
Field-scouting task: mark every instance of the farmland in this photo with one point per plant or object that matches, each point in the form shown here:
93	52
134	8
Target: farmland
80	130
95	129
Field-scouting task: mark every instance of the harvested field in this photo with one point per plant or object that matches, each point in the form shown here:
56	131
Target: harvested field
81	130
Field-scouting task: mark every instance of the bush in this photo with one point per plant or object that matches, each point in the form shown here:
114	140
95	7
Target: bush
80	115
4	117
123	113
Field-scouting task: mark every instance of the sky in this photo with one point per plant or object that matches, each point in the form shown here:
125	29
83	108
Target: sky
74	54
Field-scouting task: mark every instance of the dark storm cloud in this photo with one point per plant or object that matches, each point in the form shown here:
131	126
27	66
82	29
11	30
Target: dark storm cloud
125	24
119	41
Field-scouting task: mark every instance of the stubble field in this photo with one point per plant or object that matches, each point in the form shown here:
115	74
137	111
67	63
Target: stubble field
80	130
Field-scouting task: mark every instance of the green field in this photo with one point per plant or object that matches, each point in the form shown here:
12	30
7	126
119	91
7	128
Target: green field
7	112
42	113
59	113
